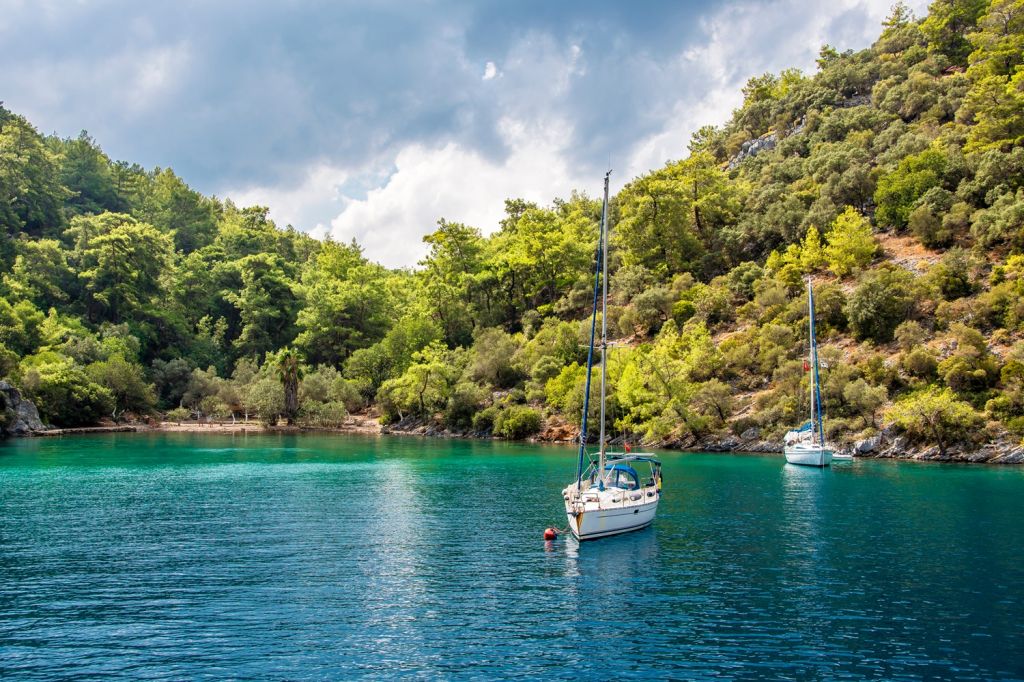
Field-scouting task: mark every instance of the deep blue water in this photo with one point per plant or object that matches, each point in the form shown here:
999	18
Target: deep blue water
309	557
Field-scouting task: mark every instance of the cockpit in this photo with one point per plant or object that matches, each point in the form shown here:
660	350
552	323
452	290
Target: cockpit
621	476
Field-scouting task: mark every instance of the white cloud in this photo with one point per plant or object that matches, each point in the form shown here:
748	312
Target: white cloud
306	205
490	71
458	184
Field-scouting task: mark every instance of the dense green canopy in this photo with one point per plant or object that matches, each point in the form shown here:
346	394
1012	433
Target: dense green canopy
893	176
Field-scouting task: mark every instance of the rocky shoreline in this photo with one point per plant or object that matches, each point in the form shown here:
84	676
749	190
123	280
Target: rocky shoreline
19	417
886	445
883	446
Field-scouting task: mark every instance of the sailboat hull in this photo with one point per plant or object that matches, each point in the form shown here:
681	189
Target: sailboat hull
809	456
594	522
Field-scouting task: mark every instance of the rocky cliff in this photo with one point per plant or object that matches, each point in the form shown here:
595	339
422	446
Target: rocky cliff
18	417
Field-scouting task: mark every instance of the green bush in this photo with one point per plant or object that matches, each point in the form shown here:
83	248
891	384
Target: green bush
265	397
919	363
178	414
830	306
346	392
900	189
936	415
66	396
483	421
683	311
517	422
951	276
329	414
883	298
910	335
930	229
8	361
491	359
463	405
125	382
851	245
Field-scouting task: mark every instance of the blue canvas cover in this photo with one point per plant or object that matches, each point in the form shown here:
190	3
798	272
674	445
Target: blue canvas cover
629	472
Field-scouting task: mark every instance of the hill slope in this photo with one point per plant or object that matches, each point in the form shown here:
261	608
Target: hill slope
893	177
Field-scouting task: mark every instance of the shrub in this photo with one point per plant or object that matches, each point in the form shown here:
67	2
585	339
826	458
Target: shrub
8	361
951	276
864	399
483	421
651	308
713	399
899	190
171	379
883	298
712	304
517	422
265	396
851	245
346	392
178	414
124	381
491	359
936	415
934	231
66	396
683	311
463	405
829	306
919	363
327	414
910	334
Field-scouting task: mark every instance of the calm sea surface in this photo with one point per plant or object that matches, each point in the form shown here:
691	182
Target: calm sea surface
183	556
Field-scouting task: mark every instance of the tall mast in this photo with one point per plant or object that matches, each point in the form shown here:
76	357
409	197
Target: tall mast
590	359
815	380
604	317
810	343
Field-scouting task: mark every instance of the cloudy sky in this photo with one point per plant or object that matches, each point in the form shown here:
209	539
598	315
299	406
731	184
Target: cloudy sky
373	120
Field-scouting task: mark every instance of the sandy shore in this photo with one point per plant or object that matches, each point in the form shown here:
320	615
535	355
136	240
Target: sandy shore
352	424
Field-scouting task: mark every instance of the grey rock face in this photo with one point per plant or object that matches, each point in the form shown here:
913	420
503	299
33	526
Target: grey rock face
752	148
867	445
19	416
753	433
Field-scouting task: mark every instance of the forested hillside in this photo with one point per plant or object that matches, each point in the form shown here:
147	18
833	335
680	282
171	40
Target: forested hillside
893	177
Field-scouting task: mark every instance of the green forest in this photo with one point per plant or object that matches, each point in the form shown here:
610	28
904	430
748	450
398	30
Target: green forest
893	177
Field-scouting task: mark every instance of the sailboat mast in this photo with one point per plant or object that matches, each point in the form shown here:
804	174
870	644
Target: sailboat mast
604	317
816	379
810	339
590	360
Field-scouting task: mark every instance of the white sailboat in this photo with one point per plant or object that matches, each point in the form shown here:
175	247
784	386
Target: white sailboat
609	496
807	445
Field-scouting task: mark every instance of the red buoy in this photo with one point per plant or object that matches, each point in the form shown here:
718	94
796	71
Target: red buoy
550	533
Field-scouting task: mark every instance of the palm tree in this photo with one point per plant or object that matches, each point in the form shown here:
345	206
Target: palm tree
289	370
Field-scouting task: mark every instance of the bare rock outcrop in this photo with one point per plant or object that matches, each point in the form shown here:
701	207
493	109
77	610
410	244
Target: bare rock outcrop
18	417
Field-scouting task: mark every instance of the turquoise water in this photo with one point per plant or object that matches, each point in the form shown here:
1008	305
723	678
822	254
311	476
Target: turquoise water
182	556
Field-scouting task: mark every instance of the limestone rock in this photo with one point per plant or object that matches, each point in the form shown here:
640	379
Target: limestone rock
867	445
18	417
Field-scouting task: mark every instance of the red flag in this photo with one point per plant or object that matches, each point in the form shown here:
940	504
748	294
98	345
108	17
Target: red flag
628	449
807	366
